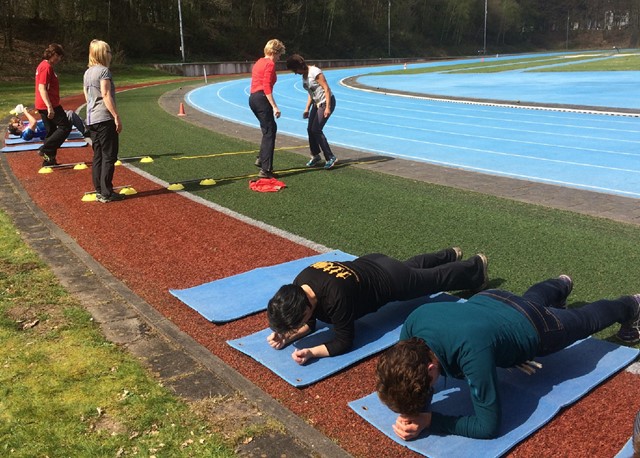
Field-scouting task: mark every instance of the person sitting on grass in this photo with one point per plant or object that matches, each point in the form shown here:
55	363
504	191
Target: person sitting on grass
470	340
341	292
35	128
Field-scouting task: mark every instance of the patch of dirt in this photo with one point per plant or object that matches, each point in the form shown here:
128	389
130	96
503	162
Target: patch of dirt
39	318
106	423
231	417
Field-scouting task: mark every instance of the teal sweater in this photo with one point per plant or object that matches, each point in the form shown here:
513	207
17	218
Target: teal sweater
470	340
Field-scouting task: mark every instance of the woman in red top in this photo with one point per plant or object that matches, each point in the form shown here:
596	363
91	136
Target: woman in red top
48	105
263	105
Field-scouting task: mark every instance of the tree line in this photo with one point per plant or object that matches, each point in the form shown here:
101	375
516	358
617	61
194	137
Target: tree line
237	29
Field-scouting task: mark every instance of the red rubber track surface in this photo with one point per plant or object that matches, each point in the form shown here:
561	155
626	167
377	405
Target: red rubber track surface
158	239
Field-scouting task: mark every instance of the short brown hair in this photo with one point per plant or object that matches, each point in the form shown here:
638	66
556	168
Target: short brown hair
53	48
296	62
403	380
13	130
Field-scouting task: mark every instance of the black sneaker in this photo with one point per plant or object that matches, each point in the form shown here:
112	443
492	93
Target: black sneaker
630	330
266	174
48	162
112	198
258	162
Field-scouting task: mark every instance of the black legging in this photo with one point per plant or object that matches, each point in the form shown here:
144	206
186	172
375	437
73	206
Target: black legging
430	273
57	128
263	110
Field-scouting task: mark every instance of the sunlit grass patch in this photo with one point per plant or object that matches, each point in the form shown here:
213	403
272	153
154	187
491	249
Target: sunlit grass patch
65	390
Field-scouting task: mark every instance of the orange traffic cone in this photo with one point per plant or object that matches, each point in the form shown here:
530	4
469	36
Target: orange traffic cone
181	112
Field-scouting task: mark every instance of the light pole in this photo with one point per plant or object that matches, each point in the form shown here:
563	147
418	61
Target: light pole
181	37
567	30
484	46
389	27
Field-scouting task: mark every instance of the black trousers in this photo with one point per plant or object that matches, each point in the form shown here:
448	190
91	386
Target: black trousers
57	128
263	110
317	141
429	273
105	154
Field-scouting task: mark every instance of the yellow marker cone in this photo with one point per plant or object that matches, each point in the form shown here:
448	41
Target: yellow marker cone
45	170
89	197
129	191
175	187
118	162
208	182
81	166
146	160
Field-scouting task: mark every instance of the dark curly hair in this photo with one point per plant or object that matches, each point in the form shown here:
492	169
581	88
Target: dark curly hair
286	309
296	62
53	48
403	380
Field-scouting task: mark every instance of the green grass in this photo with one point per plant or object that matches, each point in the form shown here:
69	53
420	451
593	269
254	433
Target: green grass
617	62
360	211
64	390
571	62
70	75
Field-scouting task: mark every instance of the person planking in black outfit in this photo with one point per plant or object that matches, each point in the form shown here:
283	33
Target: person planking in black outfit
341	292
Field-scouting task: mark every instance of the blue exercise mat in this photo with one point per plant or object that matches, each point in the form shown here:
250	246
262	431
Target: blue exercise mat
15	140
35	146
627	450
234	297
374	333
529	401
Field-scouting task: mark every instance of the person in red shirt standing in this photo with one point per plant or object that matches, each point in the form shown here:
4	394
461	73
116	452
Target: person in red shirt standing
263	105
48	105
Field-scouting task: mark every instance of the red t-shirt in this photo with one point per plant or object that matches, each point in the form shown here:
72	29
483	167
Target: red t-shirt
263	76
47	76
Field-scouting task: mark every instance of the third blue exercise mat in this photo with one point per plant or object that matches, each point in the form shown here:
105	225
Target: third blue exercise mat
35	146
374	333
528	401
234	297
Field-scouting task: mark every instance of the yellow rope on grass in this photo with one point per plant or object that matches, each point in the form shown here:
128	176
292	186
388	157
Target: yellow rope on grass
232	153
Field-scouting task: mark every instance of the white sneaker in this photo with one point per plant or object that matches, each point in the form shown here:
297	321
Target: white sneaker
18	110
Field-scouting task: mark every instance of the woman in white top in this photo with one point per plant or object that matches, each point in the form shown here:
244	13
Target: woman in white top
320	105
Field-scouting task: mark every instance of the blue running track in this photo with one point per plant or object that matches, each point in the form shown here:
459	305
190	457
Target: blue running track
595	152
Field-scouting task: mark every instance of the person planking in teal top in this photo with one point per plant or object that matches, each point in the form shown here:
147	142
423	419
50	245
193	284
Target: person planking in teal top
470	340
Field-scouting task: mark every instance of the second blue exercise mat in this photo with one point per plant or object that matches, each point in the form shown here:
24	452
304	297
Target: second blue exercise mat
15	140
374	333
528	401
234	297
